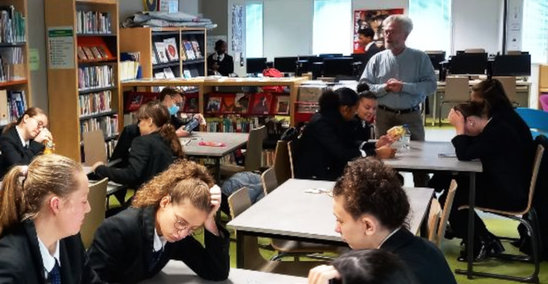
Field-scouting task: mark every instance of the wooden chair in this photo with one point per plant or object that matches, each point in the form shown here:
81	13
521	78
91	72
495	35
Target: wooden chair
253	154
456	91
437	220
282	164
97	201
291	160
94	147
531	225
509	86
269	180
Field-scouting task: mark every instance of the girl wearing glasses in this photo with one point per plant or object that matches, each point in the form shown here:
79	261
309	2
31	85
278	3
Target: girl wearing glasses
137	243
43	207
22	140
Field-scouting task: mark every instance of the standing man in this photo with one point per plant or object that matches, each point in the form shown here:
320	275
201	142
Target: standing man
365	41
220	63
401	77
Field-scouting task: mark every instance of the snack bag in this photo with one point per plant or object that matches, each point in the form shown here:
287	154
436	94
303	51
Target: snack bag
396	132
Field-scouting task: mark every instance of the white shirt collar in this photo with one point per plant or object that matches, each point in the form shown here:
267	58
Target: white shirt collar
388	237
20	133
47	258
218	57
369	45
159	242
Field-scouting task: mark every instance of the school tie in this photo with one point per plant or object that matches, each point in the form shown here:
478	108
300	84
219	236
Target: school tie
156	255
54	276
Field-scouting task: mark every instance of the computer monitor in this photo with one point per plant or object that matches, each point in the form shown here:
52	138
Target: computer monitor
511	65
255	65
338	66
330	55
286	64
436	59
468	63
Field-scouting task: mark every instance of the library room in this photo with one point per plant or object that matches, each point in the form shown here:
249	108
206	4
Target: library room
274	141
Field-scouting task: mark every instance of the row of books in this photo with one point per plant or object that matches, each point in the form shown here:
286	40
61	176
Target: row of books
232	123
12	25
12	105
93	22
165	73
95	103
9	57
167	50
92	53
129	69
243	103
95	77
108	124
190	49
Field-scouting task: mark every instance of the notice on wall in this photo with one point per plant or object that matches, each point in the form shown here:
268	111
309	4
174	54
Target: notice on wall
60	48
34	59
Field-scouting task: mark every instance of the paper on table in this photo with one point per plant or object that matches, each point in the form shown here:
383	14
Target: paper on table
447	155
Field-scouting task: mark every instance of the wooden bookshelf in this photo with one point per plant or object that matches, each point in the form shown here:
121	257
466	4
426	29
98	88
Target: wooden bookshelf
66	79
18	78
146	47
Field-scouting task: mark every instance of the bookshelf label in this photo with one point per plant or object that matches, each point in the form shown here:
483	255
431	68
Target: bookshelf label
61	48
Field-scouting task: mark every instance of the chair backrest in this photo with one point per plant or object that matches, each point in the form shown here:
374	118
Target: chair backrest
446	211
238	202
456	89
255	148
533	185
544	102
291	155
509	86
433	220
282	165
97	199
474	50
536	119
269	181
94	147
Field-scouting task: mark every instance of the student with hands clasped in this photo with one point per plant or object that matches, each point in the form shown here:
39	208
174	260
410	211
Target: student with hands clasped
43	207
137	243
22	140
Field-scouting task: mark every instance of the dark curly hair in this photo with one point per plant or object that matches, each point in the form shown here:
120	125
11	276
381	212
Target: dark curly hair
370	187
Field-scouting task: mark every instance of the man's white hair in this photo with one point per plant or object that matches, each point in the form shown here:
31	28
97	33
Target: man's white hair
405	22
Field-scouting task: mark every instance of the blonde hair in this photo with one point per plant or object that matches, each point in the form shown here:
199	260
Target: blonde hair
182	180
24	189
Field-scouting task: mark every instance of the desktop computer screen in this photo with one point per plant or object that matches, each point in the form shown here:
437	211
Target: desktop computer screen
437	59
468	63
338	66
511	65
286	64
255	65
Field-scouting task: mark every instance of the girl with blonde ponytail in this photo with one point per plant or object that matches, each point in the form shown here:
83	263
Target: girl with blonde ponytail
43	207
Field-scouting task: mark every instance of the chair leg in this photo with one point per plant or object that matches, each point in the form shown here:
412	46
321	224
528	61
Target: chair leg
439	114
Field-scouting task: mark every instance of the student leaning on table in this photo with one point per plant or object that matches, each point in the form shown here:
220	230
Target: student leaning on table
371	207
43	207
137	243
22	140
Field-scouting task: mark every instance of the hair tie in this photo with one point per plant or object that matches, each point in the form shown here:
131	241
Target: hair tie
24	170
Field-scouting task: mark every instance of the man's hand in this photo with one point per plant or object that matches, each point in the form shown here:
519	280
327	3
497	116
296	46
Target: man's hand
322	274
394	85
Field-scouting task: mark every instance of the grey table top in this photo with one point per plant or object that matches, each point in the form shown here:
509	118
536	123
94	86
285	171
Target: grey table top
178	272
231	140
290	211
425	155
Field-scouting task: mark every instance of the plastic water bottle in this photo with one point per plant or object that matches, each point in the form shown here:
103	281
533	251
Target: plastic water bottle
406	138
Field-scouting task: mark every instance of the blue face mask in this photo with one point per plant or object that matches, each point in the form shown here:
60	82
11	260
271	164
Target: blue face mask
173	109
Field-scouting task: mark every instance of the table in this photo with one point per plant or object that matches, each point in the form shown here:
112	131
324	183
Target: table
289	212
424	155
178	272
231	140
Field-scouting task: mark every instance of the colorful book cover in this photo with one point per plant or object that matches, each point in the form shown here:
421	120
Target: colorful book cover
161	51
228	103
241	103
214	104
261	103
171	49
192	104
282	105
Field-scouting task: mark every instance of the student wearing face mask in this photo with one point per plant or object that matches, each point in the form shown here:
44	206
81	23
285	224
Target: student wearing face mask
171	98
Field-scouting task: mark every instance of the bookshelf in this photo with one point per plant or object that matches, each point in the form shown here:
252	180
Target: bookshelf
14	69
83	86
167	49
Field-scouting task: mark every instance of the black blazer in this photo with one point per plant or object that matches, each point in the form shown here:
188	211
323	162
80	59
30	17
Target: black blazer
122	249
506	175
13	152
121	151
361	131
422	257
21	261
325	147
149	155
225	67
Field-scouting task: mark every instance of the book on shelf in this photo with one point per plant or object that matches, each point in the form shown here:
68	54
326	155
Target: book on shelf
261	103
171	49
153	59
214	104
161	51
228	103
95	103
187	74
12	105
96	53
182	53
133	100
11	63
81	55
12	25
108	124
160	75
93	22
168	73
102	51
196	49
241	103
129	69
282	105
189	50
88	53
95	77
191	104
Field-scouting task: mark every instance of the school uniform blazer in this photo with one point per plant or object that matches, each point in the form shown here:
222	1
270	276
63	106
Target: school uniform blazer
122	249
506	175
423	258
13	152
149	155
325	147
121	151
362	133
21	261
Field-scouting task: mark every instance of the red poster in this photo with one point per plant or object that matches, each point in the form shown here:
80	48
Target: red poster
371	19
